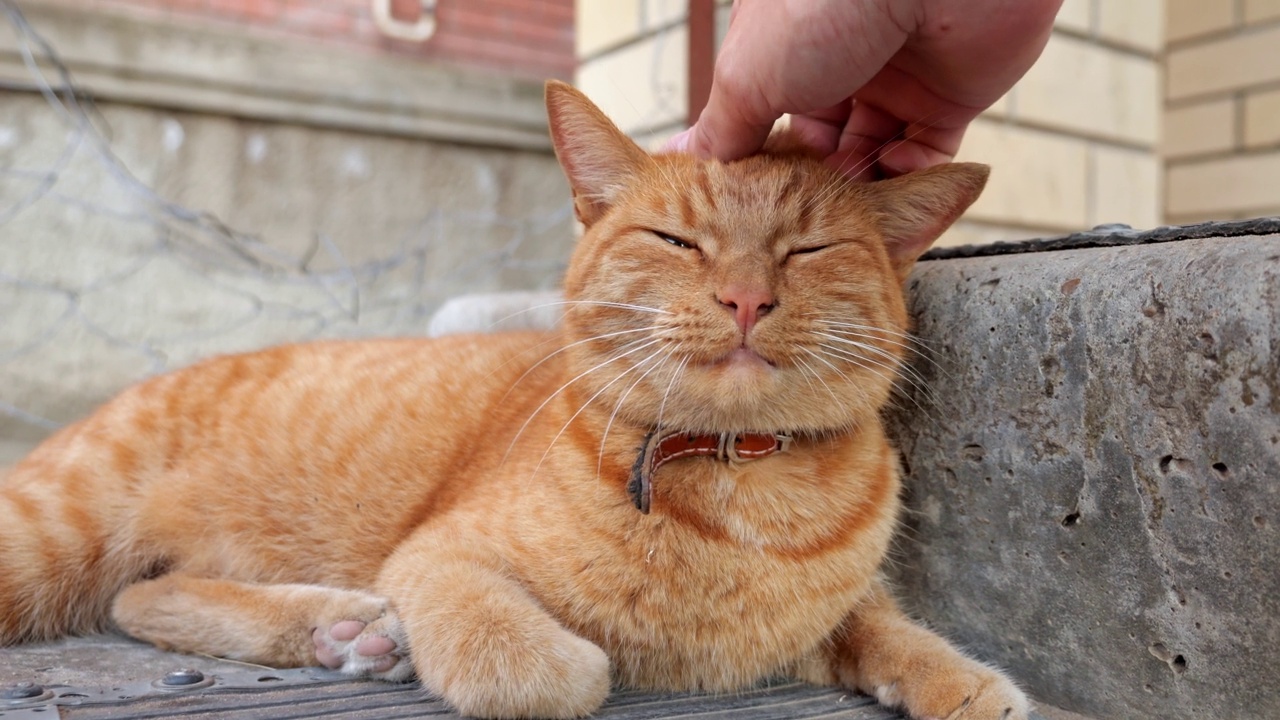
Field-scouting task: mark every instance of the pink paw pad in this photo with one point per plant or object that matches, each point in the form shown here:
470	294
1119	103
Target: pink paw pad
342	647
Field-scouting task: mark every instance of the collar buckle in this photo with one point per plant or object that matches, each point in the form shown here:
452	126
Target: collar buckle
661	448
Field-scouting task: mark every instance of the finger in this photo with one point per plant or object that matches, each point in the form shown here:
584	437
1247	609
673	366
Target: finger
872	160
893	96
821	130
678	142
734	123
875	144
854	164
789	58
867	132
906	156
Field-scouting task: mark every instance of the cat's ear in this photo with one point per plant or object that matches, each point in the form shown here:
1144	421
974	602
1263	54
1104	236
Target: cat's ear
914	209
596	156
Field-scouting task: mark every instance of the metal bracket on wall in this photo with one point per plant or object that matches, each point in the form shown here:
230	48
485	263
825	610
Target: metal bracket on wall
418	31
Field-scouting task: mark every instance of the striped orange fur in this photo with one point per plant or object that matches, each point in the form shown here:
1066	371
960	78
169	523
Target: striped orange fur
458	507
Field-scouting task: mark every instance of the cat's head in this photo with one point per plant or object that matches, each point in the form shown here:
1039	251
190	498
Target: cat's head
763	294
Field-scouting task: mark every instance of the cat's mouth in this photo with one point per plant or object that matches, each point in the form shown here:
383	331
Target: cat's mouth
744	357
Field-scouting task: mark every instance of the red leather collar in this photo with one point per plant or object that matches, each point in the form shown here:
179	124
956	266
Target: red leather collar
661	448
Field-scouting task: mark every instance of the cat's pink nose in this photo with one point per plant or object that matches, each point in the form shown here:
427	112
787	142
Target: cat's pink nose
748	304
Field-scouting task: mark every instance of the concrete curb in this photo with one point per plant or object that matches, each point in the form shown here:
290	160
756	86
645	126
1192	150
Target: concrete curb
1092	483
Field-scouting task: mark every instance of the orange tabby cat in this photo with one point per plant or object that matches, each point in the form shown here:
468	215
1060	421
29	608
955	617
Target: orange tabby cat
687	487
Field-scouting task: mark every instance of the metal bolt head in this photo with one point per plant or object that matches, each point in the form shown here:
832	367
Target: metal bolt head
185	676
21	691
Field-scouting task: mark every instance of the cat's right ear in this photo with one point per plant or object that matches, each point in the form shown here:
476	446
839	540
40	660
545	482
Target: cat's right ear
596	156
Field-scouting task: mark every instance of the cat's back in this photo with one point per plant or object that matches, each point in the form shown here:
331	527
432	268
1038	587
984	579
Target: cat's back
265	457
304	393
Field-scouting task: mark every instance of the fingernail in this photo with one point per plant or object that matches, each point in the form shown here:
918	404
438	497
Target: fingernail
679	142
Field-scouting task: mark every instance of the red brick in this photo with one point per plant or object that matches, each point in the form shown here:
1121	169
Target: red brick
489	27
531	38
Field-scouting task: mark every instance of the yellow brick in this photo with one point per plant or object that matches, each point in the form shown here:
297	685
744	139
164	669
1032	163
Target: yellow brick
1136	23
658	13
1087	88
967	232
1000	108
600	24
1038	179
1256	11
1262	119
1126	187
1202	128
1188	18
1231	63
641	86
1197	218
1074	15
1225	188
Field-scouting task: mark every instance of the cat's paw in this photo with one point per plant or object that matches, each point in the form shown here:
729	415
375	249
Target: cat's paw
973	693
567	678
377	649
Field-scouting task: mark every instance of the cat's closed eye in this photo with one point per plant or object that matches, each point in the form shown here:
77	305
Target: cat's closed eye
682	244
807	250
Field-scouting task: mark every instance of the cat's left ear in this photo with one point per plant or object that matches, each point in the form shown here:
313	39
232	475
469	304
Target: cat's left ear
914	209
596	156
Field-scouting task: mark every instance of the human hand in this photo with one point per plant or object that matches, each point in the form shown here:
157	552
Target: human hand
878	87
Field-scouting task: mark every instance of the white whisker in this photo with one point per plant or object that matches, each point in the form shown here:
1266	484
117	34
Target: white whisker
846	179
607	303
562	388
877	333
585	405
863	346
895	365
907	342
539	306
674	376
816	374
870	366
605	436
574	344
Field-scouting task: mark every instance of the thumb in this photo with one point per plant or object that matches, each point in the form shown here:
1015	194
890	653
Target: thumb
730	126
725	139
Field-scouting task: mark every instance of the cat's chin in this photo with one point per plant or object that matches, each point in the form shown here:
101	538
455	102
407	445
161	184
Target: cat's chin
739	366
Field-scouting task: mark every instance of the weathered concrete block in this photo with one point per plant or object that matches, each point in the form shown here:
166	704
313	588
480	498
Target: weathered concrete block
1093	496
103	283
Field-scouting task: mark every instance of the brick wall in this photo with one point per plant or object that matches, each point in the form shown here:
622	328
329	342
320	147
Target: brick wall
529	38
1222	111
1073	145
633	62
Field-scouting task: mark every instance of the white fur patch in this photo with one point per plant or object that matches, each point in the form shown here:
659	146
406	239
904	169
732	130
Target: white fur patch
493	312
888	695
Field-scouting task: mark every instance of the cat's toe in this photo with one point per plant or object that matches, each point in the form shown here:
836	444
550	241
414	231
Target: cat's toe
376	649
990	696
998	699
568	678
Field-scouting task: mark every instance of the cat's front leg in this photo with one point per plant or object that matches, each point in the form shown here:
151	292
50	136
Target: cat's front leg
480	641
879	651
279	625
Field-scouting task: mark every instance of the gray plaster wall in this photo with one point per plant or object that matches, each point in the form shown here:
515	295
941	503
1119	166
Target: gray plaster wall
1094	479
215	234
